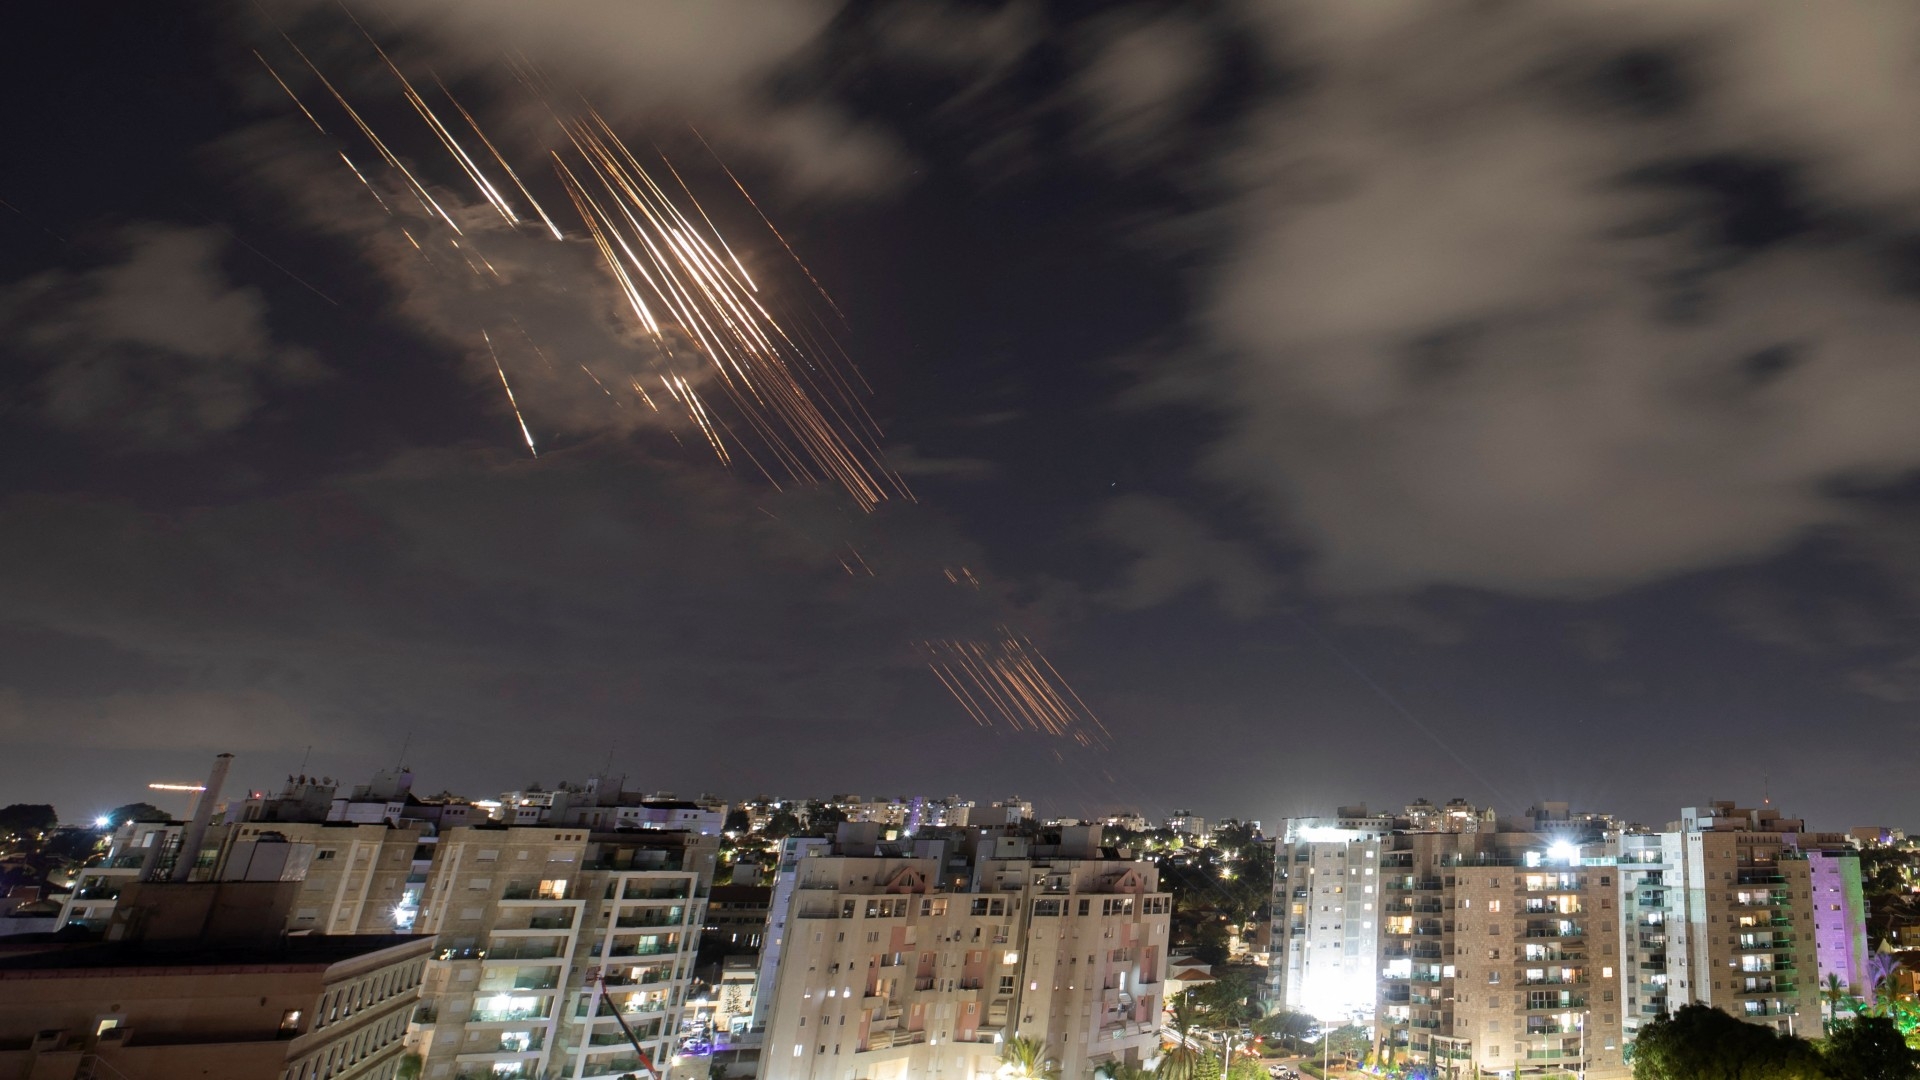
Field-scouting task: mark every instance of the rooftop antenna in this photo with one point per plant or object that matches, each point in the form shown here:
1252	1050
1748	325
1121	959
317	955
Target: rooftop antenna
303	759
404	745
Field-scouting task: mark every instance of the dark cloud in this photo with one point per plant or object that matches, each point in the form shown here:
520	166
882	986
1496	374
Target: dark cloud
1530	347
597	598
1173	553
677	61
157	346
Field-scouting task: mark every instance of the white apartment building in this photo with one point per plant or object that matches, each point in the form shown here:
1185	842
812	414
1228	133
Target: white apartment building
919	958
1326	915
548	940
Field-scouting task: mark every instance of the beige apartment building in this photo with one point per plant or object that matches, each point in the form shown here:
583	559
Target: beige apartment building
1722	912
351	875
199	981
547	938
1499	953
918	958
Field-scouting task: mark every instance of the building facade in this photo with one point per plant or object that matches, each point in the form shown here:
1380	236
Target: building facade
920	958
552	944
1324	953
1499	953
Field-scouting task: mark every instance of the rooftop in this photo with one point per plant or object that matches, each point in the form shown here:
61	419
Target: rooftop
44	958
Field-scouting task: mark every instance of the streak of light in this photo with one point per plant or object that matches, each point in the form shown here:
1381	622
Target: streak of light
269	260
509	388
1012	680
298	104
821	289
501	158
861	560
598	383
419	189
355	169
176	787
440	131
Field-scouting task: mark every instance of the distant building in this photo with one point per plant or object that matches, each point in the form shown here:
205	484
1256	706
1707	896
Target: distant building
603	804
1013	811
737	916
1187	823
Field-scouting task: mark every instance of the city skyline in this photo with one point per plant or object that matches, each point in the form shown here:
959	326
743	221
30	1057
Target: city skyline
1262	456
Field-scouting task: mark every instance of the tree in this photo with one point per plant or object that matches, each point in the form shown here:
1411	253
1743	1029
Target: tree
1702	1043
1349	1040
136	811
1121	1070
1026	1059
26	821
1869	1048
1231	1001
1181	1061
780	825
1286	1027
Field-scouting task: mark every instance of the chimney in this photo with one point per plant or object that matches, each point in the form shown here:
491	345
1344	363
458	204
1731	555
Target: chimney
196	833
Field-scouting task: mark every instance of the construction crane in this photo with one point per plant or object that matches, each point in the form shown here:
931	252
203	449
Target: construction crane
646	1059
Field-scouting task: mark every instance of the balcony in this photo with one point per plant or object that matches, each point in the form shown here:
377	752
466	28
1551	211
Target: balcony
1555	932
614	1066
652	948
887	1040
524	1070
492	1014
671	917
1564	1001
524	949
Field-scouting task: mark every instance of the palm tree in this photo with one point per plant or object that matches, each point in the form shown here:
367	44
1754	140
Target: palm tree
1122	1070
1022	1058
1180	1061
1832	993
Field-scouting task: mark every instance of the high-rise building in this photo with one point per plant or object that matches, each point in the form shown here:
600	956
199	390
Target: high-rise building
1323	957
552	943
1726	911
918	957
1499	952
1839	917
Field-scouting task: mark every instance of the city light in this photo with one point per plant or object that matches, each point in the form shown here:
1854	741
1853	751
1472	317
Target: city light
102	821
176	787
1563	851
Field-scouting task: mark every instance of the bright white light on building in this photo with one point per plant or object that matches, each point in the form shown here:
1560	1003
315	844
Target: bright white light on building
102	821
1563	851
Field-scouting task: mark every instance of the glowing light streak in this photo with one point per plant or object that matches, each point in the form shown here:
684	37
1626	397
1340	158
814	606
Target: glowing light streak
510	399
1012	680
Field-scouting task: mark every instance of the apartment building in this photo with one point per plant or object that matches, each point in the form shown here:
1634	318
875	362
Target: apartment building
556	947
1726	912
1499	952
1839	916
352	876
200	979
1326	915
918	958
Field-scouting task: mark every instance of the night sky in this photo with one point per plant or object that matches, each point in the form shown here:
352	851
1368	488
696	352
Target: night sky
1354	401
